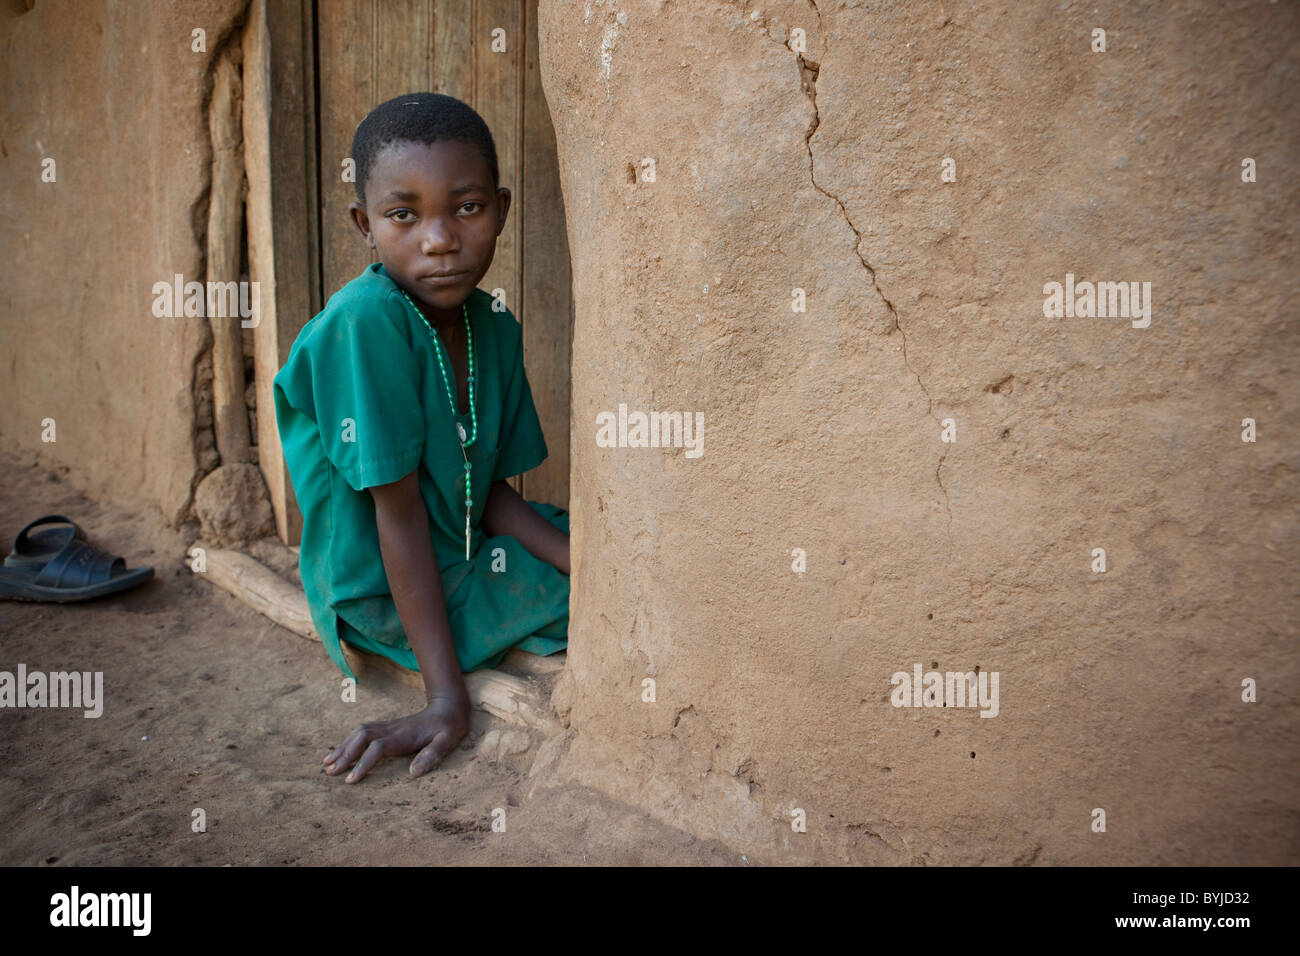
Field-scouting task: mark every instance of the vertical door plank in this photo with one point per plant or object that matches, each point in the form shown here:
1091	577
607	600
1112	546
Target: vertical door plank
346	30
498	98
280	159
453	49
403	48
547	301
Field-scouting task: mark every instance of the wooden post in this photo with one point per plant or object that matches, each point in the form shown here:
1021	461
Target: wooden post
280	157
225	230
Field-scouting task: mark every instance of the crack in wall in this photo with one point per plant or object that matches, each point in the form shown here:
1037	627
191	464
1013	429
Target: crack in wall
811	70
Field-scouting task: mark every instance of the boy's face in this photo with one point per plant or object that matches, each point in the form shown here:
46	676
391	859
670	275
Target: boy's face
430	208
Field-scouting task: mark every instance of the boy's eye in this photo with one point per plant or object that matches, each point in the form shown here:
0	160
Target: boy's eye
407	212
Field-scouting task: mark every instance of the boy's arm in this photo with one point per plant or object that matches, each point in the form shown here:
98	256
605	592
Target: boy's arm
507	513
416	586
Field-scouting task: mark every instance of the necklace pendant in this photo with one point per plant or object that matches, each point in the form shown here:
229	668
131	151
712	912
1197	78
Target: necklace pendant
460	430
466	534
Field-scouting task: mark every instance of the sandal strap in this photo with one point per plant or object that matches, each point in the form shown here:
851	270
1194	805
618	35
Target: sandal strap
77	533
78	565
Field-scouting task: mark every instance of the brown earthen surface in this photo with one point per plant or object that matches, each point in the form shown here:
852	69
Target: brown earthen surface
209	706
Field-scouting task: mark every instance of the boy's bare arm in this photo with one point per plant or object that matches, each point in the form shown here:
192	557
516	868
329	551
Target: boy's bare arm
507	513
416	586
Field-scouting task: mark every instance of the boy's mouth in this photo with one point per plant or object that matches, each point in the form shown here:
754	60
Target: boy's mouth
444	278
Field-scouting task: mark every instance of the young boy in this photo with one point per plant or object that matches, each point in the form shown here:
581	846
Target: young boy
402	408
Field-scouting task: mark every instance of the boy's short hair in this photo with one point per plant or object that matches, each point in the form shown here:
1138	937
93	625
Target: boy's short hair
419	118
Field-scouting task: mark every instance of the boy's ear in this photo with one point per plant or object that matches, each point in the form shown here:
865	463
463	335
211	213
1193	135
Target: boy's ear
358	214
503	205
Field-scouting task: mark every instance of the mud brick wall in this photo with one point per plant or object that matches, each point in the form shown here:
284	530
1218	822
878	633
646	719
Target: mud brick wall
832	229
109	100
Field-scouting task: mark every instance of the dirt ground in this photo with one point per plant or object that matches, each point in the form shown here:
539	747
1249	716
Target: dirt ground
209	705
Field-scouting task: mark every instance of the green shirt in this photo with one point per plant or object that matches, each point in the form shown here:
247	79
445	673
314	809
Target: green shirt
361	402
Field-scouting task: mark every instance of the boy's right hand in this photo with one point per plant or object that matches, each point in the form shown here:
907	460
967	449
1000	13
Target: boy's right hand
434	732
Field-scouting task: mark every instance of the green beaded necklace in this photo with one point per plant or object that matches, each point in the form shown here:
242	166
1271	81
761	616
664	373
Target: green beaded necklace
465	440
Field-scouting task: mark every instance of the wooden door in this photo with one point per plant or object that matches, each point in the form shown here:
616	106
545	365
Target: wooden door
312	71
369	51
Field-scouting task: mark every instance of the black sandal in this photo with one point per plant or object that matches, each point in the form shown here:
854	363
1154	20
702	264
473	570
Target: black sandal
78	572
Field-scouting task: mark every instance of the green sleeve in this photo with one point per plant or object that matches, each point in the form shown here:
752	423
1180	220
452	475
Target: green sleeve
365	384
522	445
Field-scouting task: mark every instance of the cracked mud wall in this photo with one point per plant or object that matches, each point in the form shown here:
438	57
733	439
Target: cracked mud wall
114	94
822	171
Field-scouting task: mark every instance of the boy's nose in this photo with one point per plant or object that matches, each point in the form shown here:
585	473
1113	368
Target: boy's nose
438	238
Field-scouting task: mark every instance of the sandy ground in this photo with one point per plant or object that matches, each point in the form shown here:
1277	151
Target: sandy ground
209	705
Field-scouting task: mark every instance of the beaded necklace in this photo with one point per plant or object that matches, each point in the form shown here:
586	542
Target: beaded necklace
465	440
